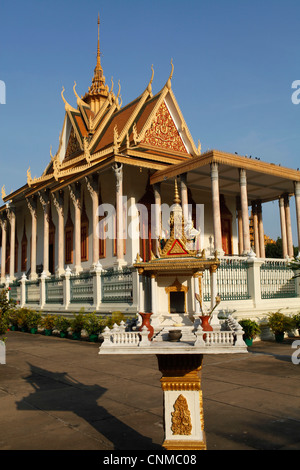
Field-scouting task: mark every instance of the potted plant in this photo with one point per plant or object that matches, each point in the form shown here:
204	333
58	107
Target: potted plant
296	320
33	321
22	319
115	318
77	324
251	329
13	319
279	324
4	323
47	323
62	324
93	326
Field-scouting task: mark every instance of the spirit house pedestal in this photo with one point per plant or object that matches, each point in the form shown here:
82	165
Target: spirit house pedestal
183	408
178	270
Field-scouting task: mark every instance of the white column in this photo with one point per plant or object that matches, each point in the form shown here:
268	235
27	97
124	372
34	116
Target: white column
197	291
297	204
118	170
11	215
153	294
45	202
32	207
255	230
3	252
240	226
58	200
283	227
184	197
245	214
157	215
75	193
261	232
214	174
93	189
289	236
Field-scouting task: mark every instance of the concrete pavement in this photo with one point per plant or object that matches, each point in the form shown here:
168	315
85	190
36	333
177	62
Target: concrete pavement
59	394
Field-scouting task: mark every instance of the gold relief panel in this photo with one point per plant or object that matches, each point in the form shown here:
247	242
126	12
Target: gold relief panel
163	132
181	418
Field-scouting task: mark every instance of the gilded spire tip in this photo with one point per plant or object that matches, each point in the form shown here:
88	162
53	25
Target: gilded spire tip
176	195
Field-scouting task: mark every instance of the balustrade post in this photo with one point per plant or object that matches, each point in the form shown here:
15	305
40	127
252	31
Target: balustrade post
43	290
135	288
97	285
254	284
23	290
67	287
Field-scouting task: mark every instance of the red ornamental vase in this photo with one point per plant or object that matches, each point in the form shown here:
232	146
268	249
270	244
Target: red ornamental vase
205	324
146	322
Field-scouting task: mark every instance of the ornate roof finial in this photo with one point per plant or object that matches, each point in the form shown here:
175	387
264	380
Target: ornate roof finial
176	195
151	80
98	48
98	82
171	75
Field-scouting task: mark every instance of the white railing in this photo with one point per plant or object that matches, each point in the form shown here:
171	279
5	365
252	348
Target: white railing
276	280
232	279
118	336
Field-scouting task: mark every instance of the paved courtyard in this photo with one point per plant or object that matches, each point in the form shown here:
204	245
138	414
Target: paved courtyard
59	394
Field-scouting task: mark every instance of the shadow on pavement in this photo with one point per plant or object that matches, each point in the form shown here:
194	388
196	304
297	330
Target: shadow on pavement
56	393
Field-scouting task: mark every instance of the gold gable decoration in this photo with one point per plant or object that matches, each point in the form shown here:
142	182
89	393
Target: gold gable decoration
163	132
73	146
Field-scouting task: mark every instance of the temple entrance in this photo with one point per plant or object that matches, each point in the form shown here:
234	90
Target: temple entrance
177	297
226	236
226	224
177	302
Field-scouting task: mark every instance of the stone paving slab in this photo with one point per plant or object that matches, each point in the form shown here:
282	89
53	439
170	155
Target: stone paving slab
60	394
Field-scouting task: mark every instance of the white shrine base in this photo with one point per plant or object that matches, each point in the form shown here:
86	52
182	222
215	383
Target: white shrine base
2	352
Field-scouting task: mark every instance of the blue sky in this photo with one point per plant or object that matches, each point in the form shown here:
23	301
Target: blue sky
234	60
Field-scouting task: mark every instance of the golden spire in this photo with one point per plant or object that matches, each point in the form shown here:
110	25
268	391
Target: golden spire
176	195
98	48
98	81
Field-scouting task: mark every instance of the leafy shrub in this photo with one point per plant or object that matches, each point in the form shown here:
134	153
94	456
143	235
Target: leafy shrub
250	327
280	323
77	323
33	319
93	324
296	320
7	307
62	324
116	317
48	321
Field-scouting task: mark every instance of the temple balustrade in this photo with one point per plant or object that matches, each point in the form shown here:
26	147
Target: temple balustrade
244	285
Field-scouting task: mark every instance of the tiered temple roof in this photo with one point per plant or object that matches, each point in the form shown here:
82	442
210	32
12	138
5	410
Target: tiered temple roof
148	132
